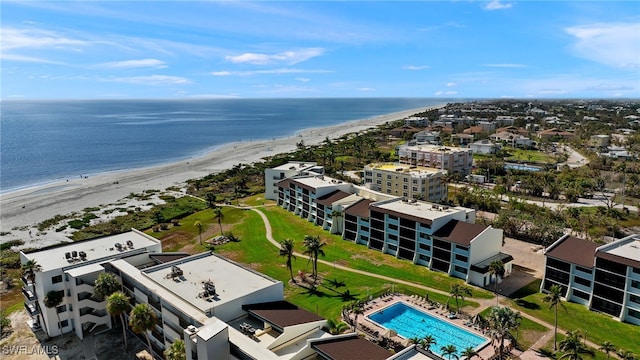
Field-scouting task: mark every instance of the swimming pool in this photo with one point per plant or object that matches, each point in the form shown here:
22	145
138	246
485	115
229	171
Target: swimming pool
510	166
410	322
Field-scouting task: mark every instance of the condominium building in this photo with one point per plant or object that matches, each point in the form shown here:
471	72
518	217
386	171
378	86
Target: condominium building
72	270
452	159
604	278
440	237
409	181
292	168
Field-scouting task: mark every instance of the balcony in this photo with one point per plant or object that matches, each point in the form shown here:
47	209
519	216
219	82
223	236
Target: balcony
32	309
28	294
26	281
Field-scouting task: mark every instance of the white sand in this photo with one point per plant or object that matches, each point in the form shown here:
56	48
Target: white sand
27	207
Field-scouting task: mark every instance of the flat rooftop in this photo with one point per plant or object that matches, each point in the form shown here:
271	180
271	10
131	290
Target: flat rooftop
625	251
317	181
434	148
400	168
294	165
101	248
417	209
231	280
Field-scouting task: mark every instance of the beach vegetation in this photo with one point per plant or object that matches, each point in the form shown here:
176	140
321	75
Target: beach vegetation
11	243
90	209
9	259
53	221
62	228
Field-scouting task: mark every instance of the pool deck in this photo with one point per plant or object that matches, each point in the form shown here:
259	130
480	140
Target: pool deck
374	331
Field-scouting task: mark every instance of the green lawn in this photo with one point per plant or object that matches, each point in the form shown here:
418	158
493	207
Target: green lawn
529	156
287	225
599	327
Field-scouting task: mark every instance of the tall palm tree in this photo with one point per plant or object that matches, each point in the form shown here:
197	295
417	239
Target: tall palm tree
607	347
496	270
117	305
218	215
449	351
554	298
176	351
459	291
286	250
501	321
29	270
198	225
572	346
314	249
469	352
53	299
106	284
357	308
427	341
143	319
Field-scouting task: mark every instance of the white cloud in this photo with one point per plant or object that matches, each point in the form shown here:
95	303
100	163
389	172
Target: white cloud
366	89
303	79
552	91
496	5
612	44
35	38
451	84
129	64
269	71
416	67
448	93
22	58
505	65
287	57
154	80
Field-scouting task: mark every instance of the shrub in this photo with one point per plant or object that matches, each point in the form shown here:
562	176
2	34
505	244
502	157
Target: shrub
9	259
9	244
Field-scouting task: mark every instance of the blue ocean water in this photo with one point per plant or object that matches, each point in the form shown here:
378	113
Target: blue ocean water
43	141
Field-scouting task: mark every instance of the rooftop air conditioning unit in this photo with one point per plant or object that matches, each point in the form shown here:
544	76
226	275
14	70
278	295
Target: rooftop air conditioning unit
67	255
192	329
74	253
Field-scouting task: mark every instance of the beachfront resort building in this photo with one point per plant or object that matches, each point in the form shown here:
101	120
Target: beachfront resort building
605	278
292	168
452	159
413	182
219	308
439	237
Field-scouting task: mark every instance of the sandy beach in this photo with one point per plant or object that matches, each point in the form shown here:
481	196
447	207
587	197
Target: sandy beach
22	209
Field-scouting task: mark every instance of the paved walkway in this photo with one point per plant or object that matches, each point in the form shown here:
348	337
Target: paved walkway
529	354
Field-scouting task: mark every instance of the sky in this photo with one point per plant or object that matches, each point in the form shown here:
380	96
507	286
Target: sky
306	49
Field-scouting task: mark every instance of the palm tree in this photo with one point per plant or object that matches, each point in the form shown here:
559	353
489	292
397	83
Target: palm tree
496	270
469	353
459	291
336	327
198	225
106	284
286	250
314	249
53	299
357	308
427	341
572	346
143	319
29	270
501	321
607	347
449	351
218	215
117	305
176	351
554	299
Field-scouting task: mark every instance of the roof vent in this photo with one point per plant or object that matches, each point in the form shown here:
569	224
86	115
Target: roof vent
175	272
192	329
67	255
74	253
83	255
130	244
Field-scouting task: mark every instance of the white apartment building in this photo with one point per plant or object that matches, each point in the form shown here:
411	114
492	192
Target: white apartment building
292	168
404	180
72	270
605	278
452	159
484	147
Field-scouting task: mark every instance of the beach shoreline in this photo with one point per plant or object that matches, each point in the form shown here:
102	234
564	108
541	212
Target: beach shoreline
23	209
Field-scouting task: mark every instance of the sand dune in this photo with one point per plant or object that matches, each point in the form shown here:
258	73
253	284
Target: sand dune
27	207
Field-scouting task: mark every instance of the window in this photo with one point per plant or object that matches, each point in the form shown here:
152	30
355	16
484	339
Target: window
392	217
460	269
405	180
634	313
61	309
424	247
634	298
393	237
583	269
63	324
56	279
580	294
461	258
582	281
393	227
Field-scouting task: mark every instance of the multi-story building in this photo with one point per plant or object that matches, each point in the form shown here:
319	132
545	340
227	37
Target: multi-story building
292	168
413	182
453	159
440	237
605	278
72	270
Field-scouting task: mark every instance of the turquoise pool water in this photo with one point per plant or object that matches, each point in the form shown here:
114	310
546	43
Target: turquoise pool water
410	322
521	167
